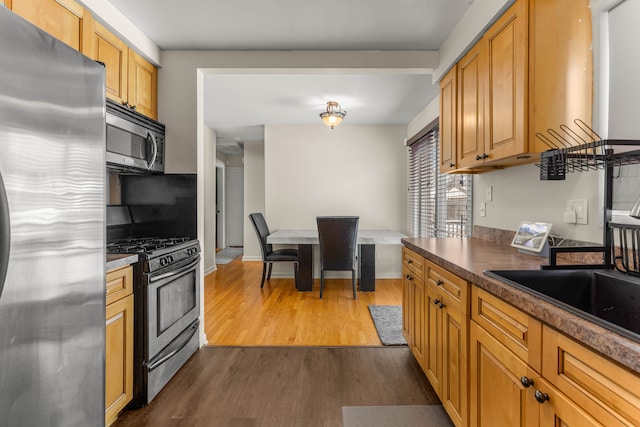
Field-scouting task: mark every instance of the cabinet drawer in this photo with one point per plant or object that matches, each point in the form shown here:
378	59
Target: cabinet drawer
514	329
413	262
119	284
454	289
609	392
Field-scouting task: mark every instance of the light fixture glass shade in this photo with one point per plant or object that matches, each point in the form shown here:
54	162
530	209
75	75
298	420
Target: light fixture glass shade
334	114
635	210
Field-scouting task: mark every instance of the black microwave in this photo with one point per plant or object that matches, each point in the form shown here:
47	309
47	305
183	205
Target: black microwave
135	143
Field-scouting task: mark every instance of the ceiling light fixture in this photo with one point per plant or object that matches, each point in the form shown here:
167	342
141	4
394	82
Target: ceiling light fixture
334	114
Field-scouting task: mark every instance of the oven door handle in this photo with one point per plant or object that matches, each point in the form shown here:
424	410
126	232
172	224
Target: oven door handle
172	349
176	272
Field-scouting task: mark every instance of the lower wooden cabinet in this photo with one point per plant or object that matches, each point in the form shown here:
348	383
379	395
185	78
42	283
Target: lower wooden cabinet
446	364
118	343
609	392
492	364
497	394
435	323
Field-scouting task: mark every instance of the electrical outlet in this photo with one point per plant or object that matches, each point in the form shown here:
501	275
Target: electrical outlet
579	206
483	209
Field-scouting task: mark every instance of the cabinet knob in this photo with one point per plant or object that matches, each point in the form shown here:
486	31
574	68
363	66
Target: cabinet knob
436	301
485	156
478	157
439	282
541	397
409	261
409	277
441	305
452	165
526	382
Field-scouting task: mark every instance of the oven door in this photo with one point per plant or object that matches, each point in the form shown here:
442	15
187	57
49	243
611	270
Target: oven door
173	298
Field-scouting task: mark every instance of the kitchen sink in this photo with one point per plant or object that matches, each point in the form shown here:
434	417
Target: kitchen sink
606	297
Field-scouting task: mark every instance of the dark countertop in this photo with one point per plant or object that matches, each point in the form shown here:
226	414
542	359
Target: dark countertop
115	261
469	257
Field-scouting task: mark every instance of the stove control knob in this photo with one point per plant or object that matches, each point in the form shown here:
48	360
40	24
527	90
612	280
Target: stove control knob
170	258
163	262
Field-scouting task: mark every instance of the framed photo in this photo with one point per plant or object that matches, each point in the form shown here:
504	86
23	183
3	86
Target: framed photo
531	236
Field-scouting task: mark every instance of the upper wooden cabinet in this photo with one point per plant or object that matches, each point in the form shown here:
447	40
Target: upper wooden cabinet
114	54
130	79
448	132
530	72
65	20
143	85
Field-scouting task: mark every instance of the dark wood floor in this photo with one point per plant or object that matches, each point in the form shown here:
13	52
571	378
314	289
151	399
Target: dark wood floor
283	386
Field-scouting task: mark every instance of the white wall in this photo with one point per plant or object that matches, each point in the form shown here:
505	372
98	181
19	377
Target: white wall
254	195
519	195
177	88
350	170
208	242
235	205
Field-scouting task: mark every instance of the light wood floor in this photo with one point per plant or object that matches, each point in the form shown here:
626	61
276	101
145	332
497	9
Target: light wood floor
238	312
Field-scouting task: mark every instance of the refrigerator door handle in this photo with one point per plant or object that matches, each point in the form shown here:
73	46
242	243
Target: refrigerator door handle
5	234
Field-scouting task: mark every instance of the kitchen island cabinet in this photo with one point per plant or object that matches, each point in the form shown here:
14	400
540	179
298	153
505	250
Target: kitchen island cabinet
530	362
118	342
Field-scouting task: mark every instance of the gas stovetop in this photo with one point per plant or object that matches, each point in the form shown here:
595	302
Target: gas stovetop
145	245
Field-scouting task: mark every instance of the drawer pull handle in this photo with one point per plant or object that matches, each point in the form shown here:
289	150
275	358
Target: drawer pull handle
541	397
439	282
526	382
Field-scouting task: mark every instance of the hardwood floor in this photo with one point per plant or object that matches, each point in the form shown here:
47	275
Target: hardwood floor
238	312
283	386
278	357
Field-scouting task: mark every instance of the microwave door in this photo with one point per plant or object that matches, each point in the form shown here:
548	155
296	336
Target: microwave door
129	145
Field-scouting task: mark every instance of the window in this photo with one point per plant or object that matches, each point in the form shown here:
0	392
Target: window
439	204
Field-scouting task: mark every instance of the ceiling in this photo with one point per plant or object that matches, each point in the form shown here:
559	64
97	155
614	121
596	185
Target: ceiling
238	105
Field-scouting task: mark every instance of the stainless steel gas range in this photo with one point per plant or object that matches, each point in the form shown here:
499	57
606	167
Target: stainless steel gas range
167	305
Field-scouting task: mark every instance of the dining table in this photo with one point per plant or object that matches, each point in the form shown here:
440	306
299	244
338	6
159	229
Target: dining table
307	238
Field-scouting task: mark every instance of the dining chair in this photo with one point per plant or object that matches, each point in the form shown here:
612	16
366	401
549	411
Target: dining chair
269	256
338	236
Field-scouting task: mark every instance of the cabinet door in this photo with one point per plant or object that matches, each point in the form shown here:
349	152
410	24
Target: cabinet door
118	357
143	85
407	306
65	20
470	133
114	53
433	339
558	410
497	395
505	93
418	321
448	120
609	392
455	365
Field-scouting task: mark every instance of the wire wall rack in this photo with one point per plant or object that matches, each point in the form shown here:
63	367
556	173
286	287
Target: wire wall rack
582	150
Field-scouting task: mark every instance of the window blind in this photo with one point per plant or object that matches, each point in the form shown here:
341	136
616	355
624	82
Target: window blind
440	205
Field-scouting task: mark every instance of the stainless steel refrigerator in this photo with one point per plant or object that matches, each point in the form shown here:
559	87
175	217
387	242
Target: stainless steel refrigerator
52	231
